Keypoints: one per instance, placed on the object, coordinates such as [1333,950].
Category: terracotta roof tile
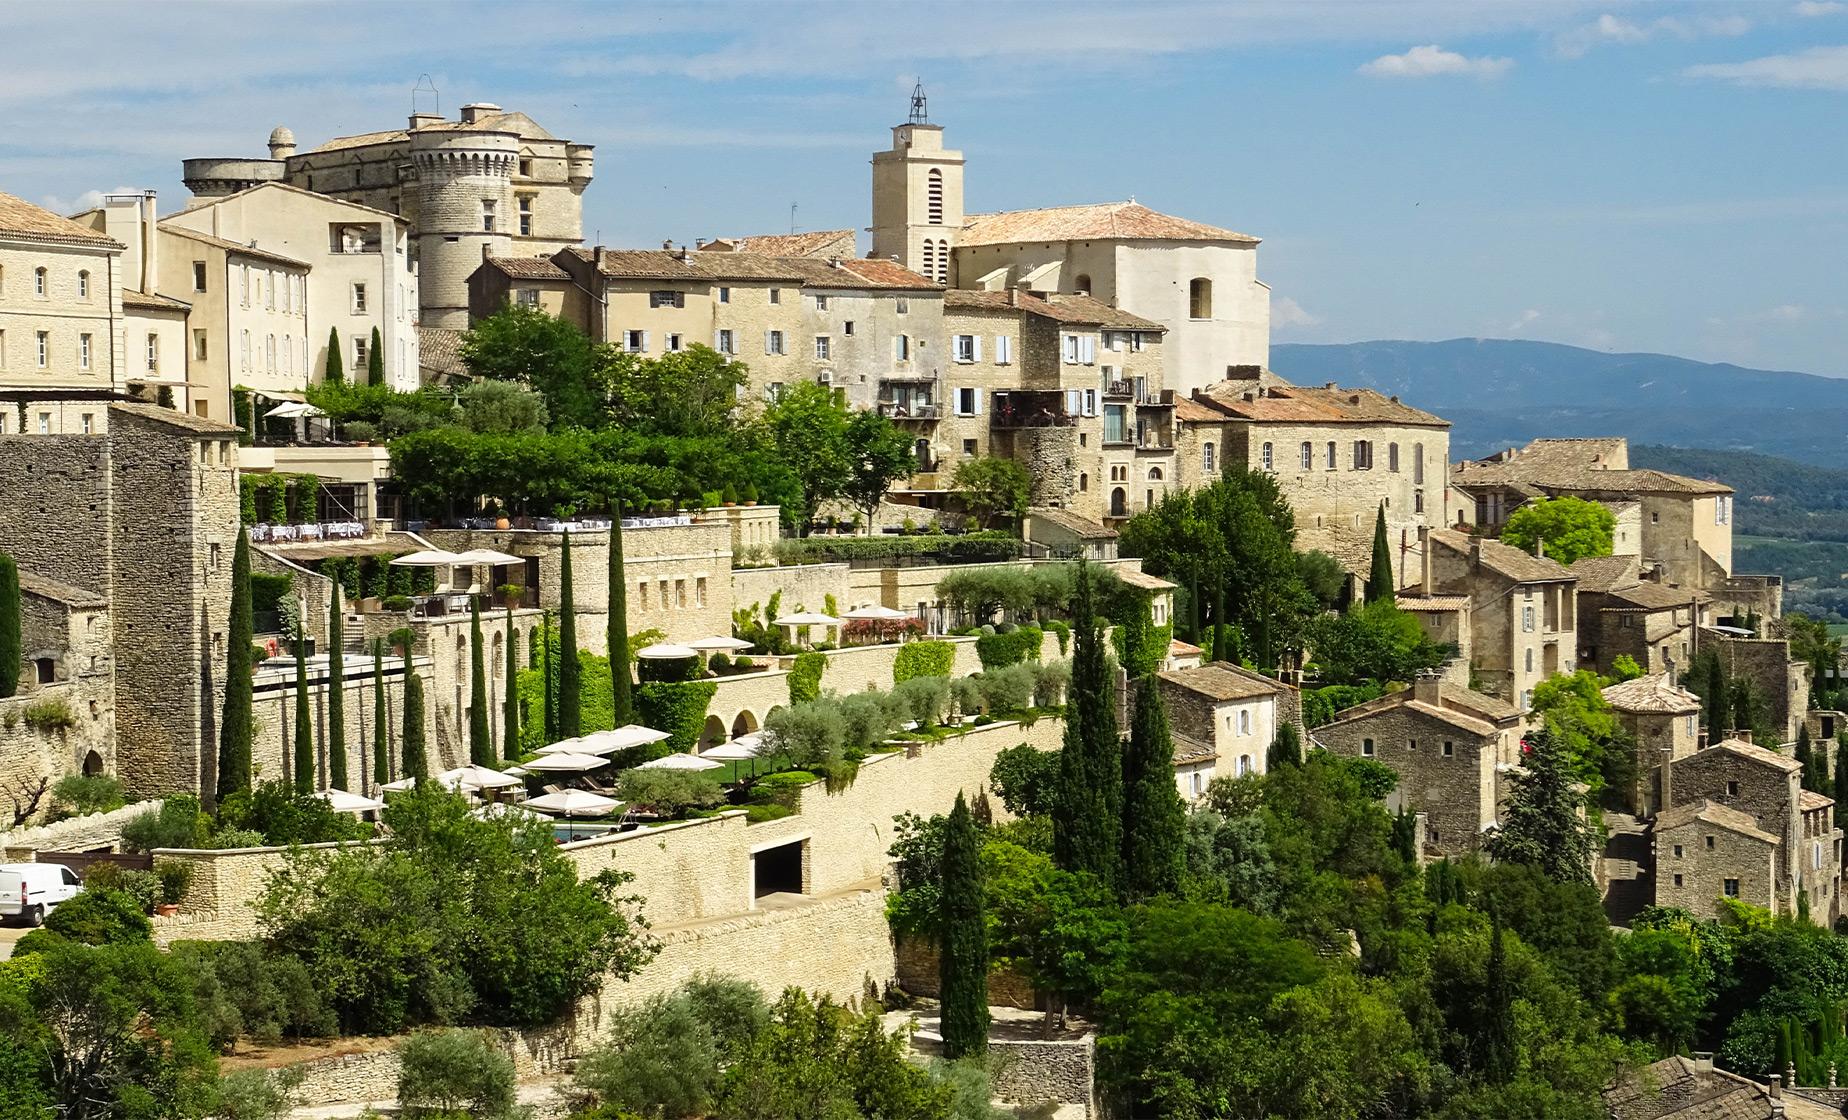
[1712,813]
[1143,580]
[21,219]
[1218,680]
[1407,600]
[1192,411]
[528,268]
[1808,801]
[1460,707]
[671,264]
[1504,560]
[439,350]
[1081,527]
[822,242]
[872,272]
[1297,404]
[1079,310]
[1103,221]
[1646,595]
[145,302]
[1188,752]
[58,591]
[173,418]
[1652,693]
[1606,573]
[1751,751]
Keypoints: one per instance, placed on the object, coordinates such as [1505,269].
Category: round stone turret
[281,142]
[216,176]
[465,211]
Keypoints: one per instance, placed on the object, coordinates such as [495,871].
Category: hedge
[678,708]
[1063,631]
[805,677]
[998,651]
[923,659]
[968,548]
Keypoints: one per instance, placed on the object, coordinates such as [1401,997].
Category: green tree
[548,355]
[375,360]
[234,724]
[412,756]
[1375,641]
[336,690]
[1323,577]
[1026,780]
[1154,821]
[548,679]
[510,707]
[1544,824]
[1382,587]
[963,962]
[454,1072]
[381,727]
[9,626]
[335,372]
[1567,529]
[807,426]
[690,392]
[1088,829]
[501,408]
[1714,699]
[1601,753]
[1286,747]
[304,720]
[570,672]
[620,683]
[878,454]
[992,487]
[1498,1040]
[480,727]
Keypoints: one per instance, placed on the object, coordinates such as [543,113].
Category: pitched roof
[1576,465]
[1651,693]
[872,272]
[1712,813]
[1188,752]
[673,264]
[1081,310]
[1678,1089]
[1460,707]
[527,268]
[58,591]
[1143,580]
[1192,411]
[146,302]
[1085,309]
[198,425]
[1504,560]
[1750,751]
[1647,595]
[1296,404]
[22,220]
[1081,527]
[1808,801]
[1408,601]
[1219,680]
[1606,573]
[783,244]
[1102,221]
[276,185]
[439,349]
[231,246]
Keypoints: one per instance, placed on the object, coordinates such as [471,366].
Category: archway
[713,734]
[743,725]
[92,764]
[1119,503]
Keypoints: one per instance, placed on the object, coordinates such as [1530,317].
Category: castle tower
[464,212]
[918,196]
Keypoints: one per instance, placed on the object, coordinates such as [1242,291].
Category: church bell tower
[918,196]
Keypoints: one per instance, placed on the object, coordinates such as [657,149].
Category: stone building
[1622,614]
[1223,718]
[1450,748]
[1691,1088]
[1705,851]
[821,244]
[1338,455]
[492,182]
[61,346]
[1780,686]
[1664,723]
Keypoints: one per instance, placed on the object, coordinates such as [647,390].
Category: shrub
[98,916]
[258,1094]
[670,670]
[397,603]
[866,719]
[269,591]
[719,663]
[238,838]
[53,714]
[283,815]
[666,1058]
[175,877]
[966,694]
[1008,690]
[805,677]
[1063,631]
[452,1072]
[142,886]
[678,708]
[997,651]
[244,990]
[782,788]
[968,548]
[923,699]
[82,794]
[1025,779]
[1049,687]
[175,823]
[811,735]
[923,659]
[672,793]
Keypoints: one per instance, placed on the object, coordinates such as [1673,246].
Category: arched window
[288,354]
[935,190]
[1084,482]
[1155,474]
[1199,298]
[943,262]
[498,658]
[1082,285]
[1418,463]
[269,353]
[1392,457]
[1244,765]
[1206,457]
[83,284]
[1308,455]
[1268,462]
[1119,503]
[930,258]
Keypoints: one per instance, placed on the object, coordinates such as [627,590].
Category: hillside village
[361,475]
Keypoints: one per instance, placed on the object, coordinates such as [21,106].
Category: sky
[1661,176]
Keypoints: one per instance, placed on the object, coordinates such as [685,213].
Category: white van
[29,891]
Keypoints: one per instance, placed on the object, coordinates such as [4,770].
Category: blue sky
[1629,176]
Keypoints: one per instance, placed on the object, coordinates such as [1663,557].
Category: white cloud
[1434,61]
[1812,9]
[88,200]
[1610,30]
[1286,312]
[1816,68]
[1524,320]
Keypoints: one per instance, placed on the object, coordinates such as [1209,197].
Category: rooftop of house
[1682,1088]
[1221,681]
[497,121]
[1713,813]
[231,246]
[31,583]
[1606,573]
[1502,559]
[1239,398]
[290,188]
[1143,581]
[1809,801]
[782,244]
[528,268]
[1190,751]
[21,220]
[1101,221]
[1081,527]
[1653,693]
[1466,709]
[1647,595]
[1076,309]
[1597,465]
[439,349]
[1409,599]
[809,272]
[1751,752]
[143,301]
[186,421]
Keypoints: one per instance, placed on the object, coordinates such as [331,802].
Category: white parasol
[679,762]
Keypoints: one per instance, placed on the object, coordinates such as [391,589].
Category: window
[2,359]
[1418,464]
[1331,454]
[244,294]
[1677,851]
[1731,887]
[902,305]
[359,299]
[1206,457]
[722,342]
[1418,501]
[1363,455]
[930,259]
[360,344]
[1732,789]
[83,351]
[526,167]
[38,282]
[1710,843]
[1004,349]
[288,354]
[526,297]
[699,591]
[969,447]
[776,295]
[964,348]
[83,284]
[86,423]
[1530,660]
[1411,744]
[1366,748]
[673,344]
[1082,285]
[1070,349]
[635,342]
[901,348]
[680,593]
[667,299]
[1392,457]
[1196,782]
[773,342]
[1677,880]
[526,209]
[44,423]
[724,295]
[1199,298]
[1450,749]
[824,347]
[1267,456]
[1722,509]
[1527,621]
[488,206]
[1244,721]
[1084,483]
[1244,765]
[847,328]
[821,302]
[968,401]
[943,262]
[199,345]
[934,196]
[269,293]
[269,353]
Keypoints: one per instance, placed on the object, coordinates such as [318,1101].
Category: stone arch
[1119,502]
[497,658]
[92,764]
[743,724]
[713,734]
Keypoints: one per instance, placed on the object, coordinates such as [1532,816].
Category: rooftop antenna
[425,86]
[792,217]
[920,109]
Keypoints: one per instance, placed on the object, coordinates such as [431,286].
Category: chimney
[1428,690]
[475,112]
[486,252]
[699,243]
[1329,385]
[1013,297]
[667,246]
[1700,739]
[1703,1061]
[1394,398]
[1668,776]
[422,120]
[596,259]
[1475,552]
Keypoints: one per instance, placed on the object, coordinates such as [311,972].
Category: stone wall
[77,834]
[63,482]
[1456,790]
[800,584]
[1765,662]
[1691,876]
[29,753]
[1034,1072]
[273,709]
[917,959]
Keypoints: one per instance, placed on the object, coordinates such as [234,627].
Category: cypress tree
[234,723]
[962,965]
[1088,830]
[1286,749]
[1154,821]
[375,360]
[336,368]
[1498,1031]
[622,699]
[1741,690]
[551,687]
[570,670]
[1380,584]
[480,729]
[411,743]
[1803,749]
[1841,779]
[336,693]
[304,722]
[1715,700]
[10,643]
[381,728]
[510,707]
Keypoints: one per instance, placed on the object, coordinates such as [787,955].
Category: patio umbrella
[719,645]
[575,803]
[609,742]
[489,557]
[679,762]
[665,652]
[428,558]
[566,762]
[807,618]
[735,751]
[876,611]
[497,809]
[343,802]
[480,777]
[448,781]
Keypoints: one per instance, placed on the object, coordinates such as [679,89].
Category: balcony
[910,410]
[1031,409]
[1125,389]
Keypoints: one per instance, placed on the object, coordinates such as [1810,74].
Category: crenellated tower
[465,211]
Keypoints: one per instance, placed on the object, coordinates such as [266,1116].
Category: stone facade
[1782,685]
[1523,610]
[1664,723]
[1224,719]
[1705,851]
[61,347]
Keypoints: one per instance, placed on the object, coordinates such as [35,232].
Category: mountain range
[1503,392]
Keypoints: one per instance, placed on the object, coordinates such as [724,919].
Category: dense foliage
[1566,529]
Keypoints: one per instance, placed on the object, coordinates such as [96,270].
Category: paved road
[9,933]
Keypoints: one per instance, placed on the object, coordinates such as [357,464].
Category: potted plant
[510,594]
[397,602]
[361,432]
[749,493]
[729,496]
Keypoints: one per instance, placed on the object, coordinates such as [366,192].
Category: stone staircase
[1622,871]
